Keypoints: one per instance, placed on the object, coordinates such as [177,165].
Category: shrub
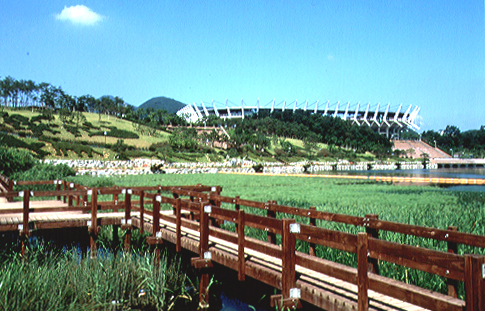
[258,168]
[11,141]
[64,147]
[15,160]
[44,172]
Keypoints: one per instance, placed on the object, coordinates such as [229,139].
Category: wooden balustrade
[369,250]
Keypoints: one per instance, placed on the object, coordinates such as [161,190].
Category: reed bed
[70,281]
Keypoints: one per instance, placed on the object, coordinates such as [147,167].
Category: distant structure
[385,120]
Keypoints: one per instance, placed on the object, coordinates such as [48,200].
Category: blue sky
[425,53]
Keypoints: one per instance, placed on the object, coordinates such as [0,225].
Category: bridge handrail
[444,264]
[447,235]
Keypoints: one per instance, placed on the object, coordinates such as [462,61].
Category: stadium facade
[385,119]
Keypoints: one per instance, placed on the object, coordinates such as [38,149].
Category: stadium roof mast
[374,119]
[395,120]
[228,110]
[385,115]
[272,106]
[326,108]
[294,107]
[215,109]
[284,105]
[242,108]
[354,119]
[413,116]
[366,113]
[205,109]
[405,116]
[257,109]
[316,107]
[336,110]
[306,105]
[346,111]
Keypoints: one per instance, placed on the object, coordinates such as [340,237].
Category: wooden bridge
[190,218]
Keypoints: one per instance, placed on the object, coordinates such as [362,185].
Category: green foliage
[69,281]
[62,148]
[14,160]
[184,138]
[43,172]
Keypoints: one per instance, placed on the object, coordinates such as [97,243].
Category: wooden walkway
[190,218]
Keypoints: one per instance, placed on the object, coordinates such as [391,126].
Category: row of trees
[451,140]
[27,93]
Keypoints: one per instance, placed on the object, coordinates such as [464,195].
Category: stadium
[385,119]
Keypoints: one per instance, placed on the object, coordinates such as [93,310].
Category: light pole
[451,152]
[435,144]
[105,133]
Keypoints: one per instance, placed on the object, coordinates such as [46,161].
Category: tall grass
[69,281]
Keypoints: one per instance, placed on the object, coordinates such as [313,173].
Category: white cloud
[79,14]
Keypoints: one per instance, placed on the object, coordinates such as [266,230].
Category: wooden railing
[469,269]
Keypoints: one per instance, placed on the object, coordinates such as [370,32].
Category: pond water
[470,173]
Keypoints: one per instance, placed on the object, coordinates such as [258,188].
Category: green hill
[164,103]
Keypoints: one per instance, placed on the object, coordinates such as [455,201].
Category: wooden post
[10,189]
[288,259]
[452,284]
[313,222]
[94,222]
[241,271]
[362,270]
[85,198]
[58,188]
[69,202]
[127,220]
[178,225]
[175,196]
[373,265]
[142,211]
[203,247]
[78,197]
[204,230]
[64,183]
[474,282]
[271,237]
[25,221]
[237,207]
[115,202]
[156,227]
[116,238]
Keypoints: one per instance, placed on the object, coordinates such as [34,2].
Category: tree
[6,88]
